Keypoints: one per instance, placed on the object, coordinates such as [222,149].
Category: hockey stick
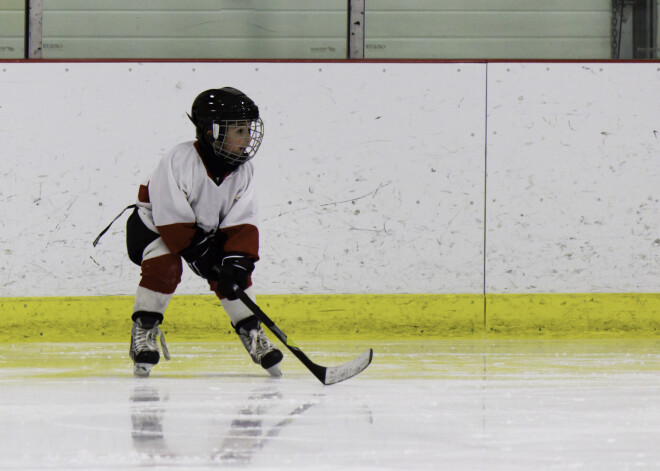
[327,375]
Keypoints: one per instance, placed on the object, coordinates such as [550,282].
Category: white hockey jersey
[182,195]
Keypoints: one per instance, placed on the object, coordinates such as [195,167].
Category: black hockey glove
[204,253]
[234,270]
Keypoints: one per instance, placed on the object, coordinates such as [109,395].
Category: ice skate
[262,351]
[144,345]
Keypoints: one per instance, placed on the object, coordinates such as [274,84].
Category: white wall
[371,176]
[573,178]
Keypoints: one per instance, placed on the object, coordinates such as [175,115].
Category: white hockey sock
[236,310]
[151,301]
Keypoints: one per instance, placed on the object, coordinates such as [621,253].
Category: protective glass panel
[12,29]
[214,29]
[510,29]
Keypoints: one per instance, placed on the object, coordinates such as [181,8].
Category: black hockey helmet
[219,112]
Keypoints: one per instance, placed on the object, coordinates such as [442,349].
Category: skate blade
[142,370]
[274,371]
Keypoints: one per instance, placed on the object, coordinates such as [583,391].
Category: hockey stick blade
[335,374]
[327,375]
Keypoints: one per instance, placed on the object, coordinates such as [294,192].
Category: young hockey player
[199,205]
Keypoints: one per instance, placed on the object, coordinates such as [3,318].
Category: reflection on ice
[261,417]
[147,420]
[495,405]
[251,431]
[220,425]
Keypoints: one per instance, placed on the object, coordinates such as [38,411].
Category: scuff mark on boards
[352,200]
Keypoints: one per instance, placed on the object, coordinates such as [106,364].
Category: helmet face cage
[228,121]
[228,143]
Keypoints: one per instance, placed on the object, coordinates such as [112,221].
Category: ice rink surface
[421,405]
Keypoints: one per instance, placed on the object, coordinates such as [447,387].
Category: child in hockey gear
[199,205]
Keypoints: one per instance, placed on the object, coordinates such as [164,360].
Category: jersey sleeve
[172,214]
[241,224]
